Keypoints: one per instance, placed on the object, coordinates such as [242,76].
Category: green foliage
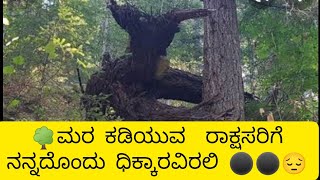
[281,49]
[13,104]
[19,60]
[50,48]
[98,104]
[43,47]
[43,135]
[8,70]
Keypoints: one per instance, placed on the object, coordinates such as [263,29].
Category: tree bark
[222,66]
[43,147]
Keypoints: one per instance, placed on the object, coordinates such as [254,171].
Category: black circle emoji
[241,163]
[267,163]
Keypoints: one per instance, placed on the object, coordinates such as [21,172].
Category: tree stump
[131,80]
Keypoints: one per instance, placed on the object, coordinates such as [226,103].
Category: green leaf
[66,45]
[6,21]
[8,70]
[19,60]
[13,104]
[50,48]
[81,63]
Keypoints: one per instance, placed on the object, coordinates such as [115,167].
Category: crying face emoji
[293,163]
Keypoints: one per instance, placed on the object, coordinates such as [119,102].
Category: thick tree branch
[181,15]
[138,101]
[133,104]
[180,85]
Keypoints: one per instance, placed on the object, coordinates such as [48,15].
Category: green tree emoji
[43,136]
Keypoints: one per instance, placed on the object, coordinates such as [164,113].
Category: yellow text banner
[159,150]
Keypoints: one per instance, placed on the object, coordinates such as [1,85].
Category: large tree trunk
[222,59]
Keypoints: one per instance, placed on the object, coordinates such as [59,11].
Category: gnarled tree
[132,82]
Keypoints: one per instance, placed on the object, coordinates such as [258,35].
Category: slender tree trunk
[222,65]
[43,147]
